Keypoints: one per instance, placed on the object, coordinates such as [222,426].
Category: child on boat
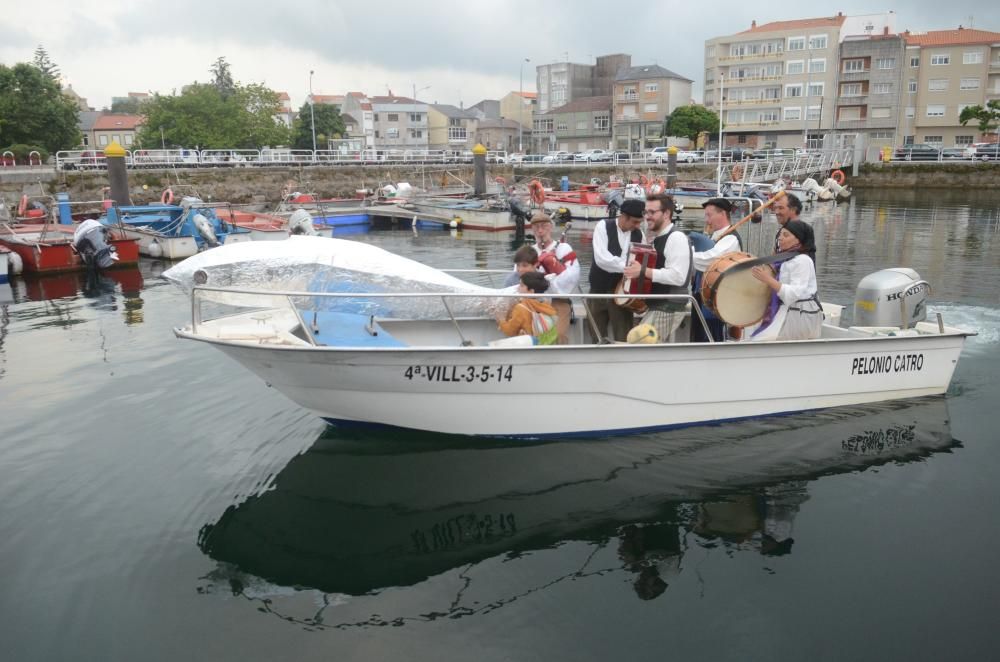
[525,260]
[531,317]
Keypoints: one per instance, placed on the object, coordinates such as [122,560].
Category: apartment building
[870,89]
[773,82]
[450,128]
[400,122]
[642,99]
[945,71]
[359,118]
[574,127]
[562,82]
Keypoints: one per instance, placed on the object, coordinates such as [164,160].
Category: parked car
[661,154]
[775,153]
[530,158]
[917,152]
[592,155]
[713,155]
[988,152]
[621,156]
[954,154]
[516,157]
[688,156]
[557,157]
[741,153]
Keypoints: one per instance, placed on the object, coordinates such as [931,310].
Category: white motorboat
[408,346]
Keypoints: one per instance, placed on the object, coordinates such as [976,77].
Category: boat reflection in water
[357,514]
[101,287]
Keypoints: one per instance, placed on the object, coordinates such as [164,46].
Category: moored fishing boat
[46,248]
[360,323]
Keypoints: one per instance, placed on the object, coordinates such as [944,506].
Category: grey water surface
[159,502]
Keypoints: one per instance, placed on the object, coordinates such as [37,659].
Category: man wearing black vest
[674,267]
[611,242]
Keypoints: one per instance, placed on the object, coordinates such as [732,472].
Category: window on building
[416,117]
[911,112]
[581,125]
[86,140]
[939,59]
[562,127]
[813,112]
[817,66]
[652,87]
[796,43]
[915,61]
[792,113]
[849,114]
[103,140]
[817,41]
[936,141]
[937,84]
[881,112]
[911,86]
[769,116]
[457,133]
[885,63]
[741,139]
[882,88]
[853,66]
[880,135]
[795,67]
[709,51]
[649,108]
[908,140]
[972,57]
[602,122]
[935,110]
[816,89]
[793,91]
[416,133]
[128,138]
[969,84]
[962,141]
[850,90]
[376,134]
[368,116]
[392,117]
[630,93]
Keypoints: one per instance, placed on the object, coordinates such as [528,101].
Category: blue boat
[175,232]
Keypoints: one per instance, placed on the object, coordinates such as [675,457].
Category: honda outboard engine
[205,229]
[91,242]
[891,297]
[301,222]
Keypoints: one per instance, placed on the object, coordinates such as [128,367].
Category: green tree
[44,64]
[690,122]
[988,118]
[201,117]
[222,78]
[34,111]
[329,124]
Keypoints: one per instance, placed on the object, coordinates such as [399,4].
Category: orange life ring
[168,196]
[501,181]
[643,181]
[22,207]
[737,173]
[537,191]
[838,176]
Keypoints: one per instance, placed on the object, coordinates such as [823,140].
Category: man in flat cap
[717,222]
[611,242]
[671,273]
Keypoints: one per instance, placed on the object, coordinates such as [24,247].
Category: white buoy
[154,249]
[15,265]
[454,224]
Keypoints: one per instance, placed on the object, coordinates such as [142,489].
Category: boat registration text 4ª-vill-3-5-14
[467,374]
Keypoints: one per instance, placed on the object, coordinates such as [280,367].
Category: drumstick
[771,201]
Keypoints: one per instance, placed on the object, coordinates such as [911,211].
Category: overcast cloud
[464,51]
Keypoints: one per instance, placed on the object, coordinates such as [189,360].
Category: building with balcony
[562,82]
[773,83]
[450,128]
[943,72]
[869,88]
[400,122]
[574,127]
[641,100]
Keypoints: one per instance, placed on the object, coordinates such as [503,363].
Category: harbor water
[159,502]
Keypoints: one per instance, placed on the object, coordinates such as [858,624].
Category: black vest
[602,282]
[662,288]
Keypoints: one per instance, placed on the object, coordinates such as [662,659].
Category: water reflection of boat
[354,515]
[89,283]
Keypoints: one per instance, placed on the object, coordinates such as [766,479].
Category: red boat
[48,248]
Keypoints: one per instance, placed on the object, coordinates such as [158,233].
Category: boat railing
[288,298]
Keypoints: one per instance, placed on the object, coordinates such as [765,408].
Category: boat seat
[349,330]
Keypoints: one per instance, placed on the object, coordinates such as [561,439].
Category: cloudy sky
[450,52]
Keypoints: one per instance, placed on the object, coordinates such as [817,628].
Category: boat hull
[467,217]
[156,244]
[52,251]
[597,390]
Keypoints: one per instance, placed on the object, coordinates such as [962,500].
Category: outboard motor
[91,242]
[520,213]
[205,229]
[891,297]
[301,222]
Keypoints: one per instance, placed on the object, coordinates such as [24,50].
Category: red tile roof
[952,37]
[528,95]
[329,98]
[800,24]
[117,122]
[283,96]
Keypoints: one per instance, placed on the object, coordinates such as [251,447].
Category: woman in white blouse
[795,312]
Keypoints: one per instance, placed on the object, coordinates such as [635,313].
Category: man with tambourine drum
[717,242]
[669,273]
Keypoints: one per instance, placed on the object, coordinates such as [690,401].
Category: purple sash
[772,306]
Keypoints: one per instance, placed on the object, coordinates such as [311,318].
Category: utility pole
[312,112]
[520,110]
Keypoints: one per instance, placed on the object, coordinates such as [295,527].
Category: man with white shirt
[557,260]
[717,222]
[673,269]
[611,242]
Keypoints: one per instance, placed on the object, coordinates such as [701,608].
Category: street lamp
[416,91]
[520,111]
[312,112]
[805,110]
[163,142]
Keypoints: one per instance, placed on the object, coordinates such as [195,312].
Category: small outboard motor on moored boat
[205,229]
[301,222]
[891,297]
[91,242]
